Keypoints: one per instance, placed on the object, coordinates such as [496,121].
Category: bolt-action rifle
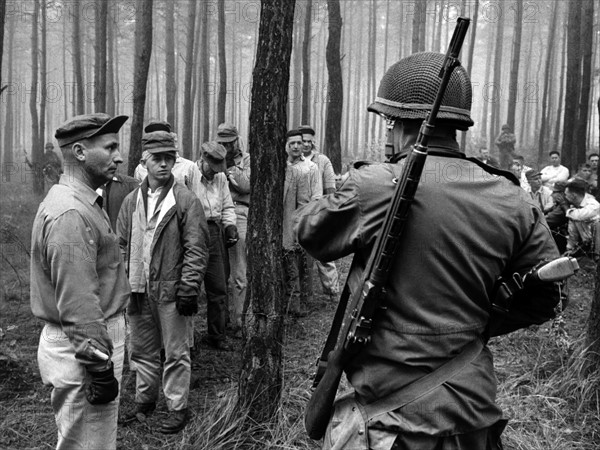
[365,294]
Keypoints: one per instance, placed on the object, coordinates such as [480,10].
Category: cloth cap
[227,132]
[306,129]
[87,126]
[157,125]
[214,154]
[294,132]
[532,173]
[577,184]
[409,87]
[559,186]
[158,142]
[145,155]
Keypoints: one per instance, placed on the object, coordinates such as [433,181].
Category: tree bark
[2,21]
[306,64]
[261,378]
[77,65]
[560,103]
[222,100]
[543,138]
[469,66]
[110,65]
[43,76]
[573,84]
[141,66]
[188,100]
[170,80]
[9,132]
[372,70]
[587,43]
[205,65]
[100,56]
[513,84]
[37,151]
[495,119]
[333,124]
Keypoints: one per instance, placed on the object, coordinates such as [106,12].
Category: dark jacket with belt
[465,228]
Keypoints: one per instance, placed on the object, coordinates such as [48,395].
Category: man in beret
[327,271]
[164,238]
[302,184]
[238,176]
[220,214]
[541,195]
[79,287]
[583,214]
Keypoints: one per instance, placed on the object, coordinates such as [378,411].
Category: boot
[176,422]
[141,412]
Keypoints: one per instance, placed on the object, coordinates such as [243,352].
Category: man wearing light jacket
[164,238]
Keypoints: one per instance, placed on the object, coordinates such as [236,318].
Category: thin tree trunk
[372,70]
[494,122]
[100,56]
[36,141]
[110,65]
[141,66]
[261,378]
[205,66]
[416,27]
[222,99]
[573,84]
[358,144]
[587,43]
[333,124]
[2,21]
[513,84]
[348,144]
[486,93]
[77,63]
[7,156]
[542,139]
[170,80]
[469,66]
[64,69]
[563,71]
[306,64]
[188,100]
[43,75]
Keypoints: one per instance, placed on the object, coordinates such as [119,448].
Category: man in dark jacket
[164,238]
[437,299]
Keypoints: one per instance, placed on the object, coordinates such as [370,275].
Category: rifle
[365,293]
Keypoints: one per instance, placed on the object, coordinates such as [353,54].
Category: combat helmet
[408,89]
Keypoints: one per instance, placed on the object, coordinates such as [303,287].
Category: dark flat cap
[158,142]
[227,132]
[577,184]
[87,126]
[306,129]
[294,132]
[214,154]
[157,125]
[559,186]
[532,173]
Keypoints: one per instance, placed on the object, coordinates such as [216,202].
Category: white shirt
[552,174]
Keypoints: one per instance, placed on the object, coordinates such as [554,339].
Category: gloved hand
[231,235]
[102,387]
[186,306]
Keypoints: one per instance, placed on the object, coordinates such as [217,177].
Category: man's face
[572,197]
[102,157]
[307,143]
[159,167]
[594,162]
[517,166]
[485,153]
[207,171]
[586,173]
[294,147]
[535,183]
[555,160]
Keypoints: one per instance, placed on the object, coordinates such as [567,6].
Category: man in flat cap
[220,214]
[302,184]
[79,287]
[583,214]
[164,238]
[541,195]
[327,271]
[238,176]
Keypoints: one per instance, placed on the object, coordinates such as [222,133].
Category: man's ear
[78,151]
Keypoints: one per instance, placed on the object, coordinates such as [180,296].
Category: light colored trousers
[80,424]
[238,266]
[580,233]
[328,275]
[159,324]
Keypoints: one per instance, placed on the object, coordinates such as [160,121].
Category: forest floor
[550,403]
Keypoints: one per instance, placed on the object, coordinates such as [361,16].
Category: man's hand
[186,306]
[102,387]
[231,235]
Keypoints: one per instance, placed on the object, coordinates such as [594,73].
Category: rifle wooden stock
[365,293]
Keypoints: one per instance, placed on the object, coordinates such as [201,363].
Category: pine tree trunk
[573,85]
[306,64]
[141,66]
[261,378]
[513,84]
[333,124]
[222,99]
[486,96]
[188,100]
[205,66]
[170,80]
[495,119]
[110,65]
[9,132]
[587,43]
[543,138]
[43,76]
[2,22]
[563,71]
[77,64]
[100,56]
[37,151]
[372,70]
[64,69]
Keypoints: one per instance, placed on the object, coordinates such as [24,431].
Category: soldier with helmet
[438,297]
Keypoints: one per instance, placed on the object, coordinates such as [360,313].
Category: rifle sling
[424,385]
